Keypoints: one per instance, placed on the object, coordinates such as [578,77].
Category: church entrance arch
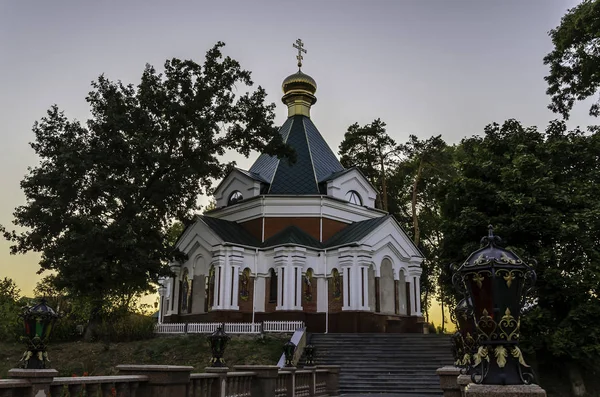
[387,291]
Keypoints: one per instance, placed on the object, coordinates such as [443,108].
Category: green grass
[101,359]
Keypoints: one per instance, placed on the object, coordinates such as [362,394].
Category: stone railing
[177,381]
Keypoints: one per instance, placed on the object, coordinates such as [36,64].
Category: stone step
[391,365]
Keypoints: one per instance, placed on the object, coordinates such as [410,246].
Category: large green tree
[371,149]
[575,60]
[416,183]
[540,190]
[100,203]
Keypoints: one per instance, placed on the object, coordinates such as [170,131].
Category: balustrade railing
[202,384]
[304,383]
[176,381]
[282,326]
[321,382]
[230,328]
[281,384]
[175,328]
[239,384]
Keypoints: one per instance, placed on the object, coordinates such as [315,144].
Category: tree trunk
[417,235]
[383,183]
[443,313]
[94,324]
[577,383]
[426,306]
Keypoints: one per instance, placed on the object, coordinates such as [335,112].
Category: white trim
[296,206]
[310,154]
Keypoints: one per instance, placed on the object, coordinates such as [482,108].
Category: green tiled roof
[355,232]
[292,235]
[315,161]
[230,232]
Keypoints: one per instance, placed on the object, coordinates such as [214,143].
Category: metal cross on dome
[300,47]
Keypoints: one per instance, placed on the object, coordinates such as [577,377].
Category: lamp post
[218,341]
[309,354]
[38,321]
[288,350]
[496,282]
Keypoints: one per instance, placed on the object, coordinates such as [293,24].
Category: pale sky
[424,67]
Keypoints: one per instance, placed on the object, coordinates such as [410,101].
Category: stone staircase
[401,365]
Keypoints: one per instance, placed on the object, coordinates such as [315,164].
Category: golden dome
[299,82]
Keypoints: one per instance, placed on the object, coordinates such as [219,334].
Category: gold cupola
[299,88]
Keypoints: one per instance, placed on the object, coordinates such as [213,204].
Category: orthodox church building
[299,241]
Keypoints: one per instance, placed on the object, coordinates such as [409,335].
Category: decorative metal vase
[288,350]
[309,354]
[496,282]
[38,321]
[218,341]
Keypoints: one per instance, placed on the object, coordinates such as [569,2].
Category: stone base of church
[341,322]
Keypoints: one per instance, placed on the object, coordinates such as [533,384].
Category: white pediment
[236,181]
[353,180]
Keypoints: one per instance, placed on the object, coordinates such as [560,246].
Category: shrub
[431,327]
[126,328]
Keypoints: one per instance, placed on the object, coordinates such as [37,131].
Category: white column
[218,300]
[356,288]
[280,290]
[411,294]
[365,287]
[235,271]
[322,294]
[418,297]
[298,271]
[346,293]
[259,302]
[290,288]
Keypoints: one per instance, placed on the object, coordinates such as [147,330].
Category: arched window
[245,284]
[186,293]
[353,197]
[235,197]
[273,286]
[308,286]
[337,284]
[209,294]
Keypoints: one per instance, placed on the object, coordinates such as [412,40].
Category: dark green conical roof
[315,161]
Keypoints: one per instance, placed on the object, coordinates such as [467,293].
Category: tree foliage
[539,190]
[10,308]
[371,149]
[575,60]
[417,184]
[101,201]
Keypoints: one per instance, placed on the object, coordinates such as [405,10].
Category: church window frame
[272,286]
[245,279]
[235,197]
[185,301]
[354,197]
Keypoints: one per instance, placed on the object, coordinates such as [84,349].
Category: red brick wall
[331,227]
[310,225]
[254,227]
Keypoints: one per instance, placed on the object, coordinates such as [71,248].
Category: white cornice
[296,206]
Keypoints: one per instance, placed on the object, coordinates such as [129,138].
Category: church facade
[299,241]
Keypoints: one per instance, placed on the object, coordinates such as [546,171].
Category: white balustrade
[282,326]
[230,328]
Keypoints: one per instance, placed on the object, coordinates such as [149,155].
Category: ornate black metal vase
[496,282]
